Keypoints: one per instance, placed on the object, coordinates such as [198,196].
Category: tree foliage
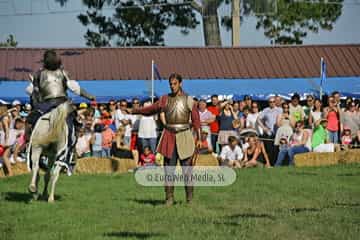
[10,42]
[134,23]
[293,20]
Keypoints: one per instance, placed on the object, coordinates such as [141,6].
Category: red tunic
[167,142]
[214,126]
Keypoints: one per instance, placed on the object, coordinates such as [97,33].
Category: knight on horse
[51,122]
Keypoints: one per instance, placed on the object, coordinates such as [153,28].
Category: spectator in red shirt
[107,135]
[147,158]
[331,113]
[214,126]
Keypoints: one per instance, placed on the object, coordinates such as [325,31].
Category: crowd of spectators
[240,134]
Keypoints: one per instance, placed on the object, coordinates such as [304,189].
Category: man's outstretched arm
[75,88]
[151,109]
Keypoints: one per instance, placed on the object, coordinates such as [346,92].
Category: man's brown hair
[175,76]
[51,60]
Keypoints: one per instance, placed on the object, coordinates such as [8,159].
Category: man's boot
[169,195]
[189,190]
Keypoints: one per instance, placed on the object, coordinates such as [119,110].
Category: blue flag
[157,73]
[323,72]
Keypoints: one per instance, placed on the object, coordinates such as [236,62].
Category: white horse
[50,137]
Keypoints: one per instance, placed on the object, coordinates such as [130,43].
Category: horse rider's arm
[29,89]
[75,88]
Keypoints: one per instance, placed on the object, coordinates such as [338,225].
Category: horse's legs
[35,158]
[36,194]
[54,177]
[45,194]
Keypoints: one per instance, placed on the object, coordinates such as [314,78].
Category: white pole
[152,81]
[321,75]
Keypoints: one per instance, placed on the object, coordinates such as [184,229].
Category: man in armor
[48,89]
[179,115]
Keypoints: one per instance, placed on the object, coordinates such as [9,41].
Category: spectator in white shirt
[206,117]
[10,144]
[123,118]
[147,131]
[83,144]
[231,154]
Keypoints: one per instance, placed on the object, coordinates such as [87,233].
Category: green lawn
[285,203]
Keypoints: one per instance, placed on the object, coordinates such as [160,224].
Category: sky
[32,25]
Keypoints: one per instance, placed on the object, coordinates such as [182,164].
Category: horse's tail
[57,120]
[60,122]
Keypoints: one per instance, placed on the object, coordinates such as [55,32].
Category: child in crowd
[231,154]
[107,139]
[96,141]
[346,139]
[83,144]
[147,158]
[20,148]
[205,145]
[13,144]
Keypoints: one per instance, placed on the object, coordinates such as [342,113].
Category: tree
[208,9]
[134,23]
[137,24]
[10,42]
[61,2]
[294,20]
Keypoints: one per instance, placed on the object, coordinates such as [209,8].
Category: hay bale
[17,169]
[104,165]
[206,160]
[94,165]
[351,156]
[202,160]
[316,159]
[122,165]
[323,159]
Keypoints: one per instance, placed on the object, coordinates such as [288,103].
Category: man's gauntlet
[87,95]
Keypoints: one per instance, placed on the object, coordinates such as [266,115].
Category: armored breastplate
[52,85]
[177,110]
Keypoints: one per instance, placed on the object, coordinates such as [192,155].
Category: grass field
[285,203]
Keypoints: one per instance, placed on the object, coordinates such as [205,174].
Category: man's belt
[176,128]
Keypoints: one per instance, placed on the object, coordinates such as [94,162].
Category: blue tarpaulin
[259,89]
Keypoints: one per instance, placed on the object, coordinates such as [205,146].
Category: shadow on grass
[155,202]
[299,210]
[340,204]
[23,197]
[349,174]
[152,202]
[16,197]
[137,235]
[251,215]
[235,219]
[303,173]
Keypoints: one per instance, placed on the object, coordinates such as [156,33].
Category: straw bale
[17,169]
[321,159]
[351,156]
[104,165]
[206,160]
[316,159]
